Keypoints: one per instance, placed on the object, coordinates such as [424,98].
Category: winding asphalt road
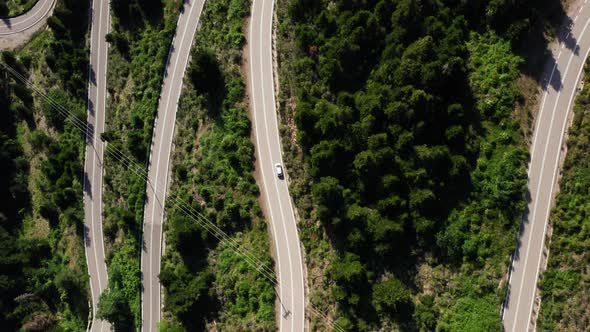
[158,172]
[276,191]
[17,30]
[93,165]
[519,312]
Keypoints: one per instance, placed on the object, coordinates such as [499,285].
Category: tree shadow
[550,21]
[506,303]
[87,185]
[552,77]
[92,76]
[170,52]
[153,10]
[7,22]
[135,14]
[89,133]
[90,14]
[525,221]
[87,238]
[516,255]
[207,78]
[90,107]
[143,242]
[565,36]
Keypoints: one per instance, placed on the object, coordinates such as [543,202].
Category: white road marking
[287,188]
[568,109]
[539,184]
[159,155]
[537,195]
[93,157]
[262,169]
[542,113]
[94,143]
[538,122]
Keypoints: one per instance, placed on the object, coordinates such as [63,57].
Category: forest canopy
[404,114]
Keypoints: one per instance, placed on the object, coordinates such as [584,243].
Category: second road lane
[562,82]
[160,162]
[93,162]
[276,191]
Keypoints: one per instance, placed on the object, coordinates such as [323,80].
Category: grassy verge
[207,285]
[140,40]
[11,8]
[44,280]
[565,304]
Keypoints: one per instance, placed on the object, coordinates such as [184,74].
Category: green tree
[391,295]
[113,307]
[328,196]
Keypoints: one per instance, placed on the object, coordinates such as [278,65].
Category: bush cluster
[43,277]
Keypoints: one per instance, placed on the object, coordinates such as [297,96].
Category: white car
[279,170]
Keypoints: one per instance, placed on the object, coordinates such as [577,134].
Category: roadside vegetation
[565,286]
[406,158]
[10,8]
[140,40]
[43,273]
[209,287]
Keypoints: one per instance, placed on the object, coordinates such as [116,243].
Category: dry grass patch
[526,110]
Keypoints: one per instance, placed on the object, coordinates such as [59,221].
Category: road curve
[158,171]
[93,170]
[16,30]
[276,191]
[560,88]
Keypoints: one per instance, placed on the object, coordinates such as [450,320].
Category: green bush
[469,314]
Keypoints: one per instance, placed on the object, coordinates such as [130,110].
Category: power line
[140,171]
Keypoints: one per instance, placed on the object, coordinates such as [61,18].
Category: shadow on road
[92,76]
[143,244]
[170,52]
[553,75]
[90,107]
[87,185]
[87,240]
[7,23]
[525,222]
[89,133]
[566,38]
[516,253]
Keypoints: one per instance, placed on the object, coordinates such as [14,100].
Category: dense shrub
[413,163]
